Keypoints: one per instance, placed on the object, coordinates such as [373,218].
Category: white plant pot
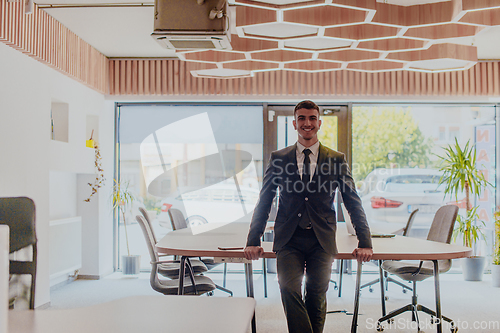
[495,275]
[473,268]
[131,265]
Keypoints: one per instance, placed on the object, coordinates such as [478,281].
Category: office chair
[440,231]
[406,232]
[195,285]
[171,270]
[179,222]
[19,214]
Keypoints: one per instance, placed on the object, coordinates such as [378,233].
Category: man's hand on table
[363,254]
[253,252]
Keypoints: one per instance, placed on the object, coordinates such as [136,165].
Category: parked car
[390,195]
[220,203]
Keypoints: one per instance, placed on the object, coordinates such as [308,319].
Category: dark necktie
[305,222]
[306,167]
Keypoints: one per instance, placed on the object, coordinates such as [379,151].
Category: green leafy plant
[152,203]
[496,249]
[468,228]
[460,175]
[122,200]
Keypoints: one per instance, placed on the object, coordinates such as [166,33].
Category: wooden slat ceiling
[382,36]
[276,71]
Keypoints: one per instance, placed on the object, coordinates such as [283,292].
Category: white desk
[184,243]
[150,314]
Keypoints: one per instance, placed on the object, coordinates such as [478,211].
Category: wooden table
[176,314]
[233,235]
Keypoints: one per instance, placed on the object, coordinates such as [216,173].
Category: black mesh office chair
[171,270]
[195,285]
[19,214]
[179,222]
[440,231]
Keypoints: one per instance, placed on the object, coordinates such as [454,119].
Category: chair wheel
[404,291]
[432,320]
[380,328]
[370,289]
[386,298]
[334,288]
[454,329]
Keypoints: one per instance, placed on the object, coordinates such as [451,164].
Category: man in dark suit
[306,176]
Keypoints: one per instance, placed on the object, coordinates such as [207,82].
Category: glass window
[395,151]
[205,160]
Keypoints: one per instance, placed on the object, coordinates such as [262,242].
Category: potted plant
[495,267]
[460,175]
[122,200]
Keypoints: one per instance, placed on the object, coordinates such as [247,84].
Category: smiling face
[307,124]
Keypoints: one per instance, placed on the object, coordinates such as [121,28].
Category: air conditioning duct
[191,24]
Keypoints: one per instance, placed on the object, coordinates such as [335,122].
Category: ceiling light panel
[280,30]
[358,35]
[318,43]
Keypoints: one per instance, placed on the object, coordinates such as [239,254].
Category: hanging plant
[99,178]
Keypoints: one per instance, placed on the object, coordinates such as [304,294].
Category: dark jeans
[304,253]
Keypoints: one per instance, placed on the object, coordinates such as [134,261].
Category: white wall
[27,89]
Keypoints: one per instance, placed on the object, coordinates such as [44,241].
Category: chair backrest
[409,224]
[146,218]
[148,237]
[19,214]
[442,226]
[177,219]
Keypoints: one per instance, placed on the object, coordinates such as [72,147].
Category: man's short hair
[307,104]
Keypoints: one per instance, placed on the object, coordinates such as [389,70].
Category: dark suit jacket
[332,172]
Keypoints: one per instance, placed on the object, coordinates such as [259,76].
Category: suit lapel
[322,155]
[292,160]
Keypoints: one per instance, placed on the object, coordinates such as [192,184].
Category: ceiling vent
[191,24]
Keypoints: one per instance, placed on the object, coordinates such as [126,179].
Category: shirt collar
[314,148]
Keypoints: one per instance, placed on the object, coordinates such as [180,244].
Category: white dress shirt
[313,157]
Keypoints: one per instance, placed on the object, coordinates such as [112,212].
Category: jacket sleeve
[263,207]
[353,204]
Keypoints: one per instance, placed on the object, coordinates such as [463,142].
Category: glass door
[334,132]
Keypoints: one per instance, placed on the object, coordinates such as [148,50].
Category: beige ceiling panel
[221,73]
[280,31]
[281,56]
[324,16]
[452,30]
[440,65]
[318,43]
[437,51]
[349,55]
[362,31]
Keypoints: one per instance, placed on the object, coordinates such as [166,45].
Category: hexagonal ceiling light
[356,35]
